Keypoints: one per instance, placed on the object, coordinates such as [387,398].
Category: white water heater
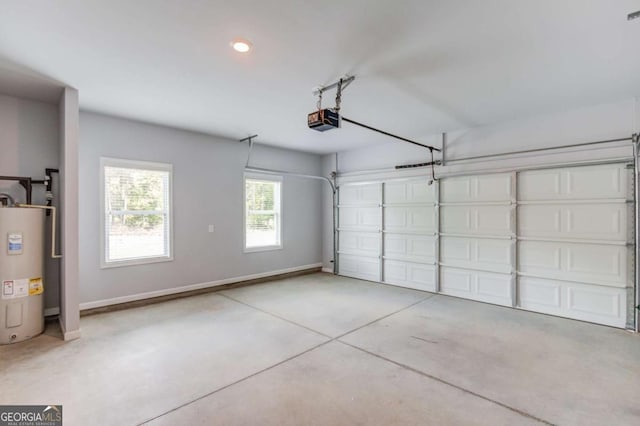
[21,273]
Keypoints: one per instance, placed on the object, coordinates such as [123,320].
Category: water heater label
[7,289]
[14,243]
[35,286]
[12,289]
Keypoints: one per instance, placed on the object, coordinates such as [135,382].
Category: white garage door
[478,237]
[359,231]
[575,229]
[410,226]
[555,241]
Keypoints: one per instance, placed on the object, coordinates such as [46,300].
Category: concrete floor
[325,350]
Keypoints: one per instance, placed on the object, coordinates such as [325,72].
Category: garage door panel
[540,185]
[599,182]
[360,218]
[362,243]
[540,257]
[605,222]
[603,305]
[485,188]
[600,221]
[360,194]
[365,268]
[485,254]
[476,220]
[575,183]
[416,248]
[589,263]
[417,191]
[594,301]
[540,294]
[477,285]
[412,275]
[409,219]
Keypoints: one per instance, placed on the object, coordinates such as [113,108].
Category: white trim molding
[69,335]
[176,290]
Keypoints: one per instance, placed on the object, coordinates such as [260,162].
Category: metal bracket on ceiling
[250,139]
[346,80]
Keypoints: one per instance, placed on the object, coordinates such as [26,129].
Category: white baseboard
[68,335]
[199,286]
[329,270]
[49,312]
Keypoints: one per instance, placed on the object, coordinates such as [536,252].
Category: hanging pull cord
[338,96]
[319,104]
[433,169]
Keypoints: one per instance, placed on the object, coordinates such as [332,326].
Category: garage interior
[451,238]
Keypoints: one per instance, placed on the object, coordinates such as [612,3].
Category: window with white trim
[262,212]
[136,213]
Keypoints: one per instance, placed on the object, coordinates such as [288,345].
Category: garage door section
[574,255]
[555,241]
[409,232]
[477,240]
[359,231]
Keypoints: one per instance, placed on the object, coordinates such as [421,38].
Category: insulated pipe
[53,225]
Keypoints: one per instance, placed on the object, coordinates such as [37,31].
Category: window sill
[135,262]
[262,248]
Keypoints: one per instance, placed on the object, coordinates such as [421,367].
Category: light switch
[211,228]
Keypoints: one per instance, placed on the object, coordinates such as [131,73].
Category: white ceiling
[422,67]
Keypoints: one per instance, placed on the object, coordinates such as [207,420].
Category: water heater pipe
[53,225]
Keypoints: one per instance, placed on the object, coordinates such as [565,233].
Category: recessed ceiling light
[241,45]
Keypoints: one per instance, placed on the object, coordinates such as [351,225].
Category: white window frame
[280,222]
[143,165]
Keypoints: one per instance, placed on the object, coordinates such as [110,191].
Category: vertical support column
[437,235]
[335,227]
[514,240]
[636,276]
[382,227]
[69,241]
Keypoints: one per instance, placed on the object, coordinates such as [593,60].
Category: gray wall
[29,142]
[207,189]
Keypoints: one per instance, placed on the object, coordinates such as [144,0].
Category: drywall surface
[600,122]
[69,241]
[29,145]
[207,190]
